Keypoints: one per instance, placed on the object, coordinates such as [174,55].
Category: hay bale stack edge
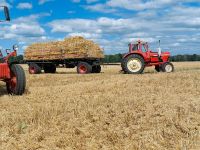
[73,47]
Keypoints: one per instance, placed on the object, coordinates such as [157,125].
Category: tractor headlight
[15,47]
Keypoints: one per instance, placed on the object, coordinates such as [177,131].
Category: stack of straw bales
[73,47]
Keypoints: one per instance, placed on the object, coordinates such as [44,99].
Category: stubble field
[110,110]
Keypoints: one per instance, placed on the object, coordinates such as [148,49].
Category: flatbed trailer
[84,65]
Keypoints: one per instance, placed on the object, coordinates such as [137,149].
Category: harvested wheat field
[111,110]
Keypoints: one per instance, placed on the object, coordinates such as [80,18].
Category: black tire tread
[37,68]
[21,80]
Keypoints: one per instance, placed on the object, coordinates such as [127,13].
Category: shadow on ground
[3,90]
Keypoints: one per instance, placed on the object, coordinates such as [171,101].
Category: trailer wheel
[50,68]
[168,67]
[133,64]
[16,85]
[96,69]
[34,69]
[84,68]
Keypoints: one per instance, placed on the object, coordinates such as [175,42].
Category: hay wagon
[70,53]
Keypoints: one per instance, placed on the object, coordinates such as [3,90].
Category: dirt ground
[110,110]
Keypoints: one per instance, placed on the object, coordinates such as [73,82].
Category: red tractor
[10,72]
[140,56]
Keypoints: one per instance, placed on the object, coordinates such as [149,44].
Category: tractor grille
[4,71]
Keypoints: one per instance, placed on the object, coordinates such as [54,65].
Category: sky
[110,23]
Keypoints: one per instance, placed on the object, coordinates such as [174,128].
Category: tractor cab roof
[139,42]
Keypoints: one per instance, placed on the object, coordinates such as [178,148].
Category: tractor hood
[165,54]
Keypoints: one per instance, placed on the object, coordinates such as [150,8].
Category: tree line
[177,58]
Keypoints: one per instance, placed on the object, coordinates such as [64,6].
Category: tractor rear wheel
[168,67]
[50,68]
[133,64]
[96,69]
[34,69]
[123,65]
[16,85]
[84,68]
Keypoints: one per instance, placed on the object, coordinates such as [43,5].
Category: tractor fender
[126,55]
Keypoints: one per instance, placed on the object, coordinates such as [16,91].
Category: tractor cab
[138,46]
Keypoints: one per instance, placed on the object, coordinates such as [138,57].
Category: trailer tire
[34,68]
[16,85]
[84,68]
[50,68]
[96,69]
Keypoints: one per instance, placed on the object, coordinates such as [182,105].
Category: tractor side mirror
[7,14]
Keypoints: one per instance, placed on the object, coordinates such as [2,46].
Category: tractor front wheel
[133,64]
[168,67]
[16,85]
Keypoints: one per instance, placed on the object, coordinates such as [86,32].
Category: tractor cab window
[135,47]
[144,48]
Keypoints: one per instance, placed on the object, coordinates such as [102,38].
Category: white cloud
[101,25]
[136,5]
[25,29]
[24,6]
[86,35]
[71,25]
[177,28]
[4,3]
[139,4]
[100,8]
[41,2]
